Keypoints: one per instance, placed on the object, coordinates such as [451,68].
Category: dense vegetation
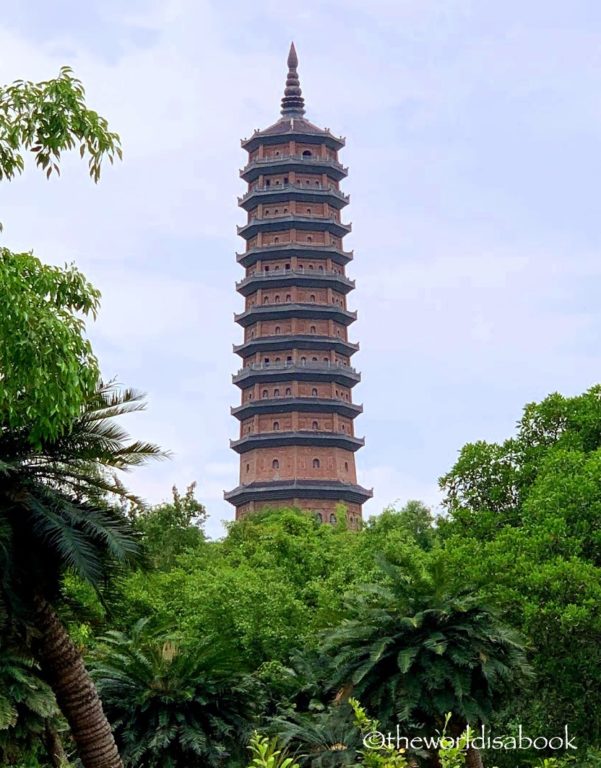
[129,639]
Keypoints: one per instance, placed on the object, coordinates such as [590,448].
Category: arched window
[306,153]
[248,467]
[276,392]
[277,299]
[346,466]
[314,359]
[332,518]
[320,268]
[288,298]
[303,360]
[314,392]
[275,464]
[309,239]
[326,359]
[276,426]
[278,360]
[287,267]
[311,267]
[315,463]
[264,394]
[308,210]
[265,299]
[276,239]
[276,211]
[315,425]
[313,329]
[319,517]
[267,210]
[276,330]
[312,298]
[250,395]
[288,392]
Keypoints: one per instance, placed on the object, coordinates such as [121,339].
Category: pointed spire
[293,104]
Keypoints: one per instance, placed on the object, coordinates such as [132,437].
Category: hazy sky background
[474,147]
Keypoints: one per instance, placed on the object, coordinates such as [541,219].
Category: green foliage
[265,753]
[414,521]
[27,706]
[48,367]
[171,708]
[413,649]
[171,528]
[54,516]
[525,529]
[49,118]
[382,755]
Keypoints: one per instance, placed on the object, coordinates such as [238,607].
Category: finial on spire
[293,104]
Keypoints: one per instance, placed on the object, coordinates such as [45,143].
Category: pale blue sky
[474,147]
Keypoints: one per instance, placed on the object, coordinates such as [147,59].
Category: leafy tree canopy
[47,366]
[48,118]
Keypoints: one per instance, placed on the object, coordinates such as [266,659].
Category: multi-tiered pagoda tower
[297,439]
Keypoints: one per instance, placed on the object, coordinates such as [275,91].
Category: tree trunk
[473,759]
[54,748]
[75,692]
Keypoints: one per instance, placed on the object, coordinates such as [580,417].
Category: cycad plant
[29,716]
[412,650]
[57,516]
[170,707]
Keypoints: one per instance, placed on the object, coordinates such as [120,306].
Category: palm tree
[170,708]
[54,518]
[411,651]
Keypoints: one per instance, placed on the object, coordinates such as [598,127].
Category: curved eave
[280,490]
[303,311]
[268,139]
[289,278]
[285,223]
[285,250]
[290,342]
[296,404]
[282,194]
[299,438]
[256,168]
[343,375]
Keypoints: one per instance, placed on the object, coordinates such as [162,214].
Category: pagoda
[297,440]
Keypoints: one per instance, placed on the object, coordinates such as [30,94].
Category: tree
[47,368]
[413,651]
[48,118]
[54,519]
[524,530]
[29,715]
[171,528]
[172,708]
[414,521]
